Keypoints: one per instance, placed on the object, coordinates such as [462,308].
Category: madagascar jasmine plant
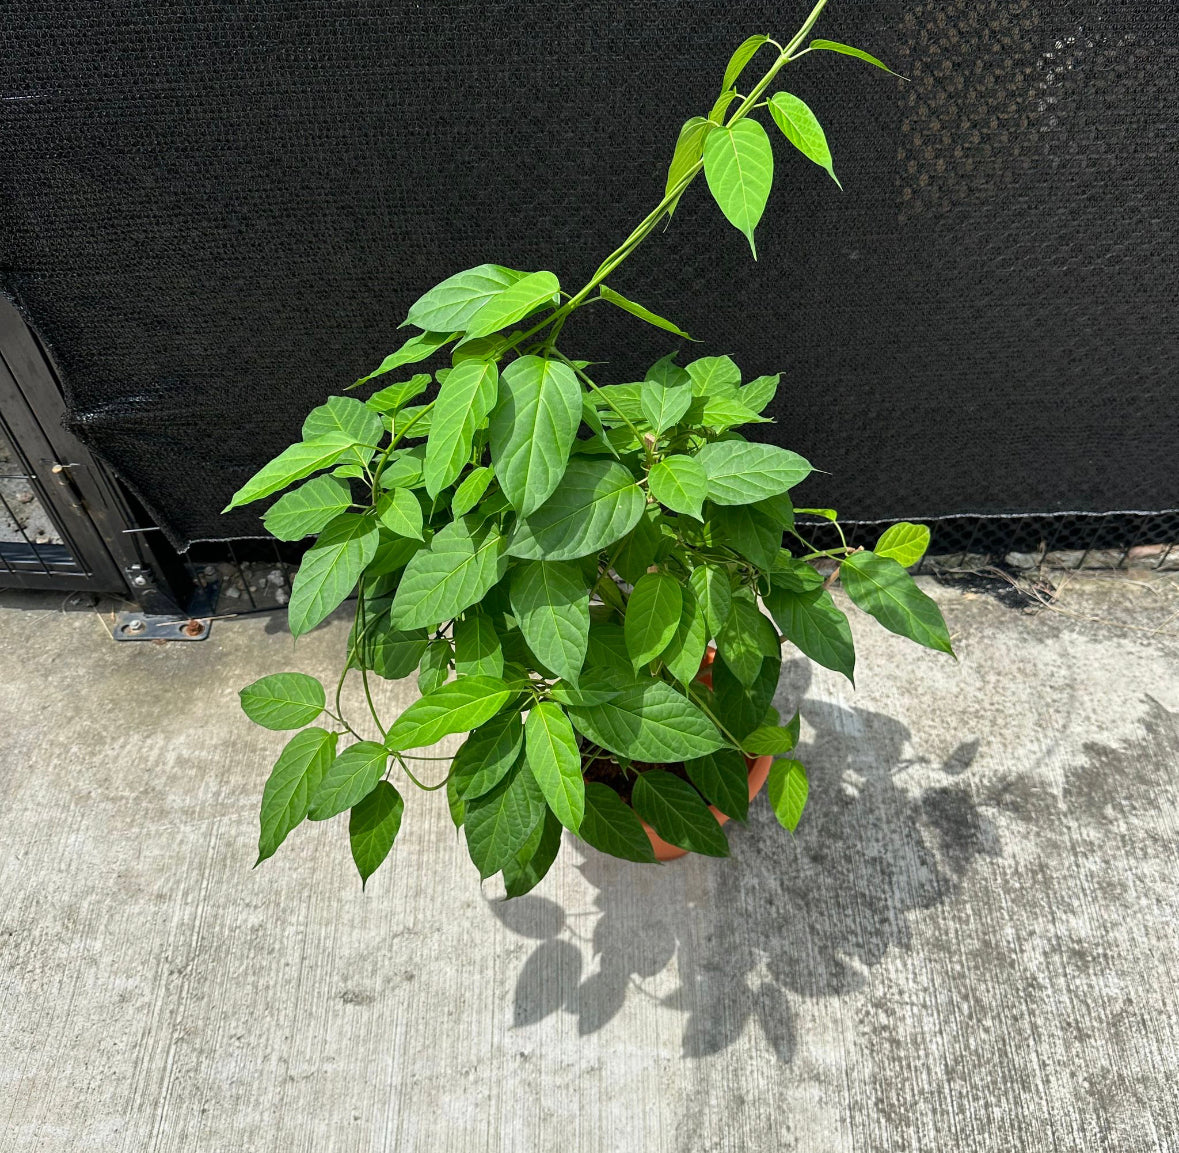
[552,556]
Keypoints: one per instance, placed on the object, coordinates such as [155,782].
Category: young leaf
[713,588]
[610,826]
[455,572]
[746,640]
[714,376]
[616,298]
[802,128]
[744,53]
[487,755]
[685,650]
[815,627]
[308,509]
[477,648]
[450,305]
[883,589]
[739,167]
[396,396]
[905,543]
[372,828]
[330,570]
[457,707]
[681,484]
[415,349]
[550,602]
[555,762]
[652,616]
[292,464]
[536,290]
[470,492]
[740,472]
[349,779]
[689,147]
[533,428]
[289,788]
[723,778]
[347,416]
[434,667]
[847,50]
[716,114]
[283,700]
[500,822]
[399,511]
[462,405]
[788,792]
[675,811]
[598,504]
[528,867]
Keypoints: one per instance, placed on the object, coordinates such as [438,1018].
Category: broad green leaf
[308,509]
[716,113]
[372,828]
[883,589]
[413,351]
[739,167]
[455,804]
[470,492]
[414,422]
[292,464]
[652,616]
[685,650]
[403,469]
[723,778]
[393,553]
[788,792]
[681,484]
[393,398]
[611,826]
[533,428]
[740,472]
[639,551]
[664,404]
[714,376]
[488,754]
[477,648]
[482,348]
[744,529]
[455,572]
[720,413]
[291,784]
[388,652]
[648,721]
[347,416]
[461,406]
[769,741]
[283,700]
[555,761]
[450,305]
[665,371]
[598,694]
[744,707]
[847,50]
[744,53]
[398,510]
[746,640]
[802,128]
[758,393]
[516,301]
[778,508]
[795,575]
[528,867]
[550,602]
[815,627]
[713,588]
[905,543]
[616,298]
[607,650]
[499,823]
[689,147]
[330,570]
[676,812]
[349,779]
[457,707]
[597,504]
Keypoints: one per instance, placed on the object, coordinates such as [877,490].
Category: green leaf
[597,505]
[308,509]
[648,721]
[488,754]
[372,828]
[607,650]
[743,528]
[550,602]
[739,167]
[477,648]
[457,707]
[713,588]
[293,781]
[455,804]
[514,302]
[689,147]
[740,472]
[292,464]
[414,422]
[500,822]
[719,413]
[685,650]
[723,778]
[883,589]
[795,575]
[555,761]
[455,572]
[283,700]
[616,298]
[533,428]
[482,347]
[778,508]
[403,469]
[565,694]
[399,511]
[639,550]
[679,483]
[744,707]
[330,570]
[802,128]
[388,652]
[788,792]
[769,741]
[746,640]
[847,50]
[652,616]
[905,543]
[347,416]
[393,398]
[758,393]
[414,350]
[470,492]
[462,405]
[393,553]
[744,53]
[611,826]
[714,376]
[666,372]
[815,627]
[450,305]
[675,811]
[528,867]
[716,113]
[349,779]
[663,404]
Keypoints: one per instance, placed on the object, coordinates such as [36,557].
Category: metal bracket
[195,626]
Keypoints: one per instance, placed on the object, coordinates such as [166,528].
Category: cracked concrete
[971,943]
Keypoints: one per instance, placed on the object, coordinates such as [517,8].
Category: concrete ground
[972,943]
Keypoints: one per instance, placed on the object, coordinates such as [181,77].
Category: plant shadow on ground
[803,916]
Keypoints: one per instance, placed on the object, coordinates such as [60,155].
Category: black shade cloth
[215,214]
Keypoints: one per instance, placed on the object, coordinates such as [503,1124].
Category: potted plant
[552,557]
